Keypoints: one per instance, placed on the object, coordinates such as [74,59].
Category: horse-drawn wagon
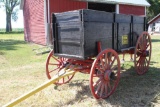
[90,41]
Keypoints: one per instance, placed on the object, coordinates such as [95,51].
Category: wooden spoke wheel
[142,53]
[105,74]
[53,67]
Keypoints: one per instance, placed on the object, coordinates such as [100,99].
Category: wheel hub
[145,53]
[107,75]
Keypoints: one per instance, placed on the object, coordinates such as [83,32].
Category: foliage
[154,9]
[11,12]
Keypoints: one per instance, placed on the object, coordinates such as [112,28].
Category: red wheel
[53,67]
[142,53]
[105,74]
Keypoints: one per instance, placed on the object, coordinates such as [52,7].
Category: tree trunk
[8,22]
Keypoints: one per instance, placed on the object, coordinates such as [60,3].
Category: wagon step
[39,88]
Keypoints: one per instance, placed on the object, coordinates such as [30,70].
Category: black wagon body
[76,33]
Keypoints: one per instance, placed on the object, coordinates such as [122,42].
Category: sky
[17,24]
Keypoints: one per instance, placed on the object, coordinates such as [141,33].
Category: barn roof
[155,18]
[130,2]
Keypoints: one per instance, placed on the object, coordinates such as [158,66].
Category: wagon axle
[144,53]
[107,75]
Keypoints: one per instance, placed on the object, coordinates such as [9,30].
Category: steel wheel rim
[53,67]
[102,84]
[141,60]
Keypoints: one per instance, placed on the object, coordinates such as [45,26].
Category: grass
[22,70]
[14,30]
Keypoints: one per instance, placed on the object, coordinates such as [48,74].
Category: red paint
[153,20]
[66,5]
[34,21]
[129,9]
[99,46]
[57,6]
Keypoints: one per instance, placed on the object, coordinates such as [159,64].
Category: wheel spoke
[97,82]
[139,60]
[102,90]
[106,89]
[102,87]
[147,46]
[110,57]
[98,75]
[109,85]
[99,87]
[112,62]
[102,63]
[56,59]
[54,69]
[99,69]
[106,61]
[54,66]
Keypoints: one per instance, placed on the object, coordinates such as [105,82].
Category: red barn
[37,13]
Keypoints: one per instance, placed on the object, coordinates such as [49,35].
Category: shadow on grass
[10,44]
[132,91]
[135,90]
[155,40]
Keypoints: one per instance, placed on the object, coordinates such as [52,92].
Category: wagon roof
[130,2]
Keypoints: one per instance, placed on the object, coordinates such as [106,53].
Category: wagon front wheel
[53,67]
[142,53]
[105,74]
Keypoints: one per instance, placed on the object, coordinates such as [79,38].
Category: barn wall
[33,12]
[66,5]
[57,6]
[157,19]
[134,10]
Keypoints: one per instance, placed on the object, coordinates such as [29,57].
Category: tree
[11,13]
[154,9]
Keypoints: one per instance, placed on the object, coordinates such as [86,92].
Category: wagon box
[76,33]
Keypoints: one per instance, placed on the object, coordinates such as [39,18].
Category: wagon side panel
[97,32]
[123,31]
[138,28]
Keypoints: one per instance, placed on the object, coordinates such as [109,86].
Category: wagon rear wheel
[142,53]
[105,74]
[53,67]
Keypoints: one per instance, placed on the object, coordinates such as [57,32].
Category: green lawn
[21,70]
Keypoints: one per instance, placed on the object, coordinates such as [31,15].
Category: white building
[154,25]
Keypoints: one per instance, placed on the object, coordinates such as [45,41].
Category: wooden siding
[134,10]
[66,5]
[156,19]
[57,6]
[34,21]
